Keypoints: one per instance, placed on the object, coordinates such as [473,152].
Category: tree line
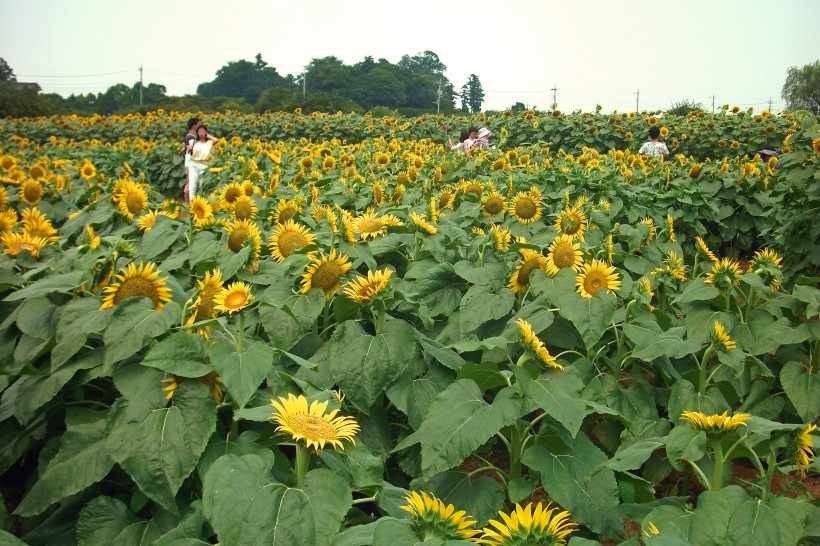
[414,85]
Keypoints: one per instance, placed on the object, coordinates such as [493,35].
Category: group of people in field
[471,139]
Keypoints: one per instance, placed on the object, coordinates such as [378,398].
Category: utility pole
[554,96]
[438,100]
[637,100]
[713,103]
[770,105]
[140,86]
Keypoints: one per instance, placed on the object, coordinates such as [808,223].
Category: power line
[75,76]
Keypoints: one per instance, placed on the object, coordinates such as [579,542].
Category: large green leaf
[157,240]
[246,508]
[357,463]
[192,529]
[63,282]
[458,422]
[754,523]
[803,389]
[35,317]
[414,396]
[685,443]
[480,497]
[81,461]
[365,366]
[437,287]
[160,446]
[330,498]
[556,392]
[181,354]
[635,455]
[288,322]
[106,521]
[242,372]
[133,325]
[652,343]
[574,481]
[482,304]
[76,320]
[696,290]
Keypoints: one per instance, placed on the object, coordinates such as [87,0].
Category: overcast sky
[596,52]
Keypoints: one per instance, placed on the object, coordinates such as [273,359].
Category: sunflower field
[354,336]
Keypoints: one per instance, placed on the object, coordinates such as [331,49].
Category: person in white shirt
[200,152]
[653,148]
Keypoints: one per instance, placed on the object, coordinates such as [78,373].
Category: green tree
[472,95]
[244,79]
[684,107]
[518,107]
[277,99]
[427,61]
[6,73]
[802,88]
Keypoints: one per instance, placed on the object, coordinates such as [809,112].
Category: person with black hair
[200,151]
[654,148]
[187,143]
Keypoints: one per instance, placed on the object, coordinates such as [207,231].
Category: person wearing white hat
[483,139]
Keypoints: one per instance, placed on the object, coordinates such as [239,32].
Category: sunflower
[233,298]
[423,224]
[805,451]
[8,218]
[493,204]
[285,210]
[526,206]
[650,223]
[311,424]
[240,232]
[378,194]
[535,346]
[701,245]
[325,272]
[306,163]
[572,221]
[594,276]
[36,224]
[138,281]
[204,307]
[93,239]
[132,199]
[16,243]
[725,273]
[244,208]
[146,221]
[674,267]
[248,187]
[88,171]
[287,238]
[382,158]
[766,260]
[31,191]
[369,226]
[446,200]
[200,210]
[365,289]
[541,525]
[530,261]
[7,162]
[670,227]
[230,193]
[564,252]
[715,423]
[502,236]
[431,518]
[721,337]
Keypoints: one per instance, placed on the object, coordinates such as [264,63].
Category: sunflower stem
[241,331]
[380,312]
[515,452]
[364,500]
[717,477]
[302,462]
[568,352]
[703,367]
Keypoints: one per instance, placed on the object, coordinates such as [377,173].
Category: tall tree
[243,79]
[802,88]
[427,61]
[472,95]
[6,73]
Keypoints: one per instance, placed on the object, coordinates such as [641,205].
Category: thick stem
[515,453]
[704,363]
[380,313]
[302,463]
[717,478]
[241,332]
[706,483]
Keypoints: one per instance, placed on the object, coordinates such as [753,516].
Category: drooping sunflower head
[670,227]
[651,230]
[244,208]
[431,518]
[564,252]
[233,298]
[446,200]
[313,425]
[472,188]
[529,525]
[7,162]
[502,236]
[17,243]
[423,224]
[493,204]
[725,274]
[805,449]
[535,346]
[325,272]
[146,221]
[715,423]
[766,263]
[287,238]
[674,266]
[721,338]
[132,199]
[573,222]
[204,307]
[31,191]
[702,247]
[530,261]
[285,210]
[369,288]
[378,193]
[526,206]
[133,281]
[596,275]
[242,232]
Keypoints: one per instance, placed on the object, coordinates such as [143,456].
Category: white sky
[596,51]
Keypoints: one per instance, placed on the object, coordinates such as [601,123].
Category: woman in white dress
[200,152]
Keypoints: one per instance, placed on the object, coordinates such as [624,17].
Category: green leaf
[572,480]
[394,532]
[414,396]
[684,397]
[242,372]
[64,282]
[699,320]
[133,325]
[591,317]
[458,422]
[7,539]
[803,389]
[696,290]
[76,320]
[290,321]
[246,508]
[365,366]
[160,446]
[35,317]
[687,443]
[157,240]
[635,455]
[181,354]
[556,392]
[651,345]
[810,296]
[487,273]
[106,521]
[81,461]
[330,499]
[711,519]
[438,287]
[442,354]
[357,535]
[482,304]
[363,467]
[780,521]
[191,530]
[480,497]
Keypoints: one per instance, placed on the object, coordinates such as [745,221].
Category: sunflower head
[725,274]
[232,298]
[805,449]
[526,206]
[31,191]
[502,236]
[529,525]
[766,263]
[287,238]
[703,248]
[230,193]
[204,307]
[369,226]
[431,518]
[313,425]
[17,243]
[241,233]
[535,346]
[285,210]
[713,424]
[132,199]
[721,338]
[244,208]
[201,210]
[136,281]
[369,288]
[423,224]
[596,275]
[530,261]
[573,222]
[325,272]
[564,252]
